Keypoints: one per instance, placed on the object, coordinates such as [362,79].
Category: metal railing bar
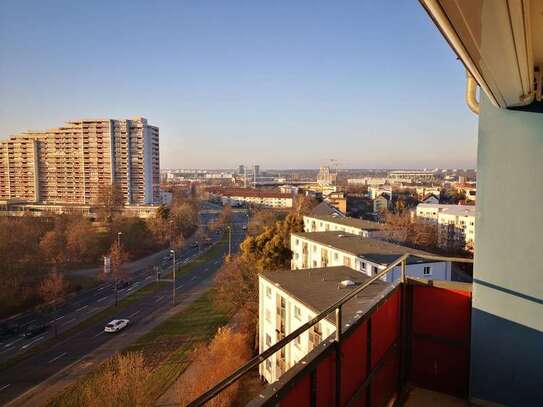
[257,360]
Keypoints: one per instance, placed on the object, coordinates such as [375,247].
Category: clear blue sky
[286,84]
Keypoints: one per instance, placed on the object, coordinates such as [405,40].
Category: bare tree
[109,202]
[52,291]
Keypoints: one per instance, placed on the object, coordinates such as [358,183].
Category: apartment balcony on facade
[72,164]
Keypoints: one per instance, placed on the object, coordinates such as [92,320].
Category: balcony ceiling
[499,41]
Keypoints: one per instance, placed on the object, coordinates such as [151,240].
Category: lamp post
[173,277]
[119,234]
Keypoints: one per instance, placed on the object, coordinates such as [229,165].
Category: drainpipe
[471,93]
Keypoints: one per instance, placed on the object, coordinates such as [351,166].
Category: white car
[116,325]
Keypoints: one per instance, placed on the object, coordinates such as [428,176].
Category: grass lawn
[166,348]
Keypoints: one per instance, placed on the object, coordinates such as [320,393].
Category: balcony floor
[419,397]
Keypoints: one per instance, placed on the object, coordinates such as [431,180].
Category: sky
[283,84]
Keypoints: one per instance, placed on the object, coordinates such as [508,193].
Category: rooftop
[459,210]
[351,222]
[319,288]
[324,208]
[376,251]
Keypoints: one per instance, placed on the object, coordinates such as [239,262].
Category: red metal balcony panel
[440,367]
[440,335]
[326,381]
[299,395]
[441,312]
[385,327]
[385,383]
[354,364]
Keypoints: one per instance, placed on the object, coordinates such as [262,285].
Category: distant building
[412,176]
[430,199]
[366,181]
[368,256]
[289,299]
[324,209]
[375,191]
[424,191]
[257,197]
[256,171]
[325,176]
[338,200]
[381,203]
[360,227]
[71,165]
[241,170]
[456,224]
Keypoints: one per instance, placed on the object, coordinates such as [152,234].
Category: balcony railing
[333,348]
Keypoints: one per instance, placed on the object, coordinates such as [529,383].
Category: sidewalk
[41,394]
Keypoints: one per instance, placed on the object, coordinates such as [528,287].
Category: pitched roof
[324,208]
[351,222]
[319,288]
[374,250]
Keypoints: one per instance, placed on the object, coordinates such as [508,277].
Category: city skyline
[270,82]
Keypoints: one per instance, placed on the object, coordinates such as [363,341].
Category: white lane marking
[4,387]
[81,308]
[159,298]
[32,343]
[179,286]
[14,342]
[101,288]
[134,314]
[217,261]
[58,357]
[98,334]
[193,278]
[67,322]
[148,277]
[101,299]
[59,318]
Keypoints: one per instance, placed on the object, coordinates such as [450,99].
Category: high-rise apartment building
[74,163]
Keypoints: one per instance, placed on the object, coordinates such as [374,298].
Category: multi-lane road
[34,369]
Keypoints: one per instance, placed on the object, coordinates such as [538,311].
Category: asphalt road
[90,301]
[37,368]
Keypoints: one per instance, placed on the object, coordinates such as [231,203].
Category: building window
[297,313]
[268,292]
[427,271]
[296,256]
[298,341]
[268,340]
[314,248]
[268,315]
[314,263]
[268,365]
[336,256]
[374,269]
[363,265]
[297,242]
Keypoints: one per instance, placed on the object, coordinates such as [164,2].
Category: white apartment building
[411,176]
[260,198]
[368,256]
[289,299]
[375,191]
[360,227]
[72,164]
[456,223]
[366,181]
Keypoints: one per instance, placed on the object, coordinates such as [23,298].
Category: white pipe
[471,93]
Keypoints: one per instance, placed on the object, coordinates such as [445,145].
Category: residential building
[381,203]
[324,208]
[430,199]
[412,176]
[360,227]
[72,164]
[338,200]
[425,191]
[375,191]
[287,300]
[456,224]
[368,256]
[367,181]
[257,197]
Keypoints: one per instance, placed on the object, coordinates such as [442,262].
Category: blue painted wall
[507,316]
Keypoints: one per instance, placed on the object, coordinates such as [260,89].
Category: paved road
[88,302]
[20,378]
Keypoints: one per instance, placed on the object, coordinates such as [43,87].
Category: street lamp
[173,279]
[119,234]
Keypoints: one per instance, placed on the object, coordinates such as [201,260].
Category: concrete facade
[72,164]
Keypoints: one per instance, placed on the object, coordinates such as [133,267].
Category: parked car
[194,245]
[122,284]
[116,325]
[35,329]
